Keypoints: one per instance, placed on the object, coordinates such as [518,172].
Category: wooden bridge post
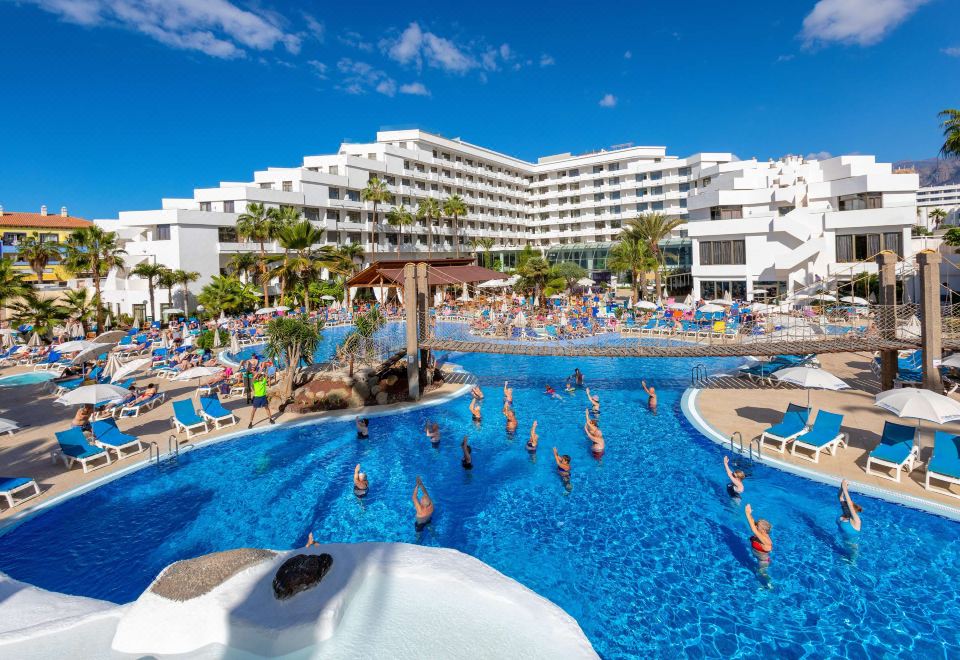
[931,339]
[413,337]
[423,315]
[887,262]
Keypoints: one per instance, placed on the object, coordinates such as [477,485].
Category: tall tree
[377,193]
[292,342]
[243,265]
[42,313]
[938,215]
[257,226]
[651,228]
[535,273]
[149,272]
[398,217]
[483,247]
[455,207]
[951,133]
[429,210]
[167,281]
[12,284]
[351,254]
[630,254]
[95,251]
[78,304]
[300,259]
[37,254]
[184,278]
[226,293]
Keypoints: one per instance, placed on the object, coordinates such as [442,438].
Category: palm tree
[397,217]
[350,254]
[12,284]
[359,343]
[291,341]
[226,293]
[630,254]
[951,133]
[37,254]
[454,206]
[184,278]
[378,193]
[41,313]
[243,264]
[95,251]
[150,272]
[78,304]
[299,239]
[428,210]
[485,244]
[938,215]
[535,274]
[651,228]
[256,225]
[165,280]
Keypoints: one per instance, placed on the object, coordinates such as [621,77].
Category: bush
[205,339]
[920,230]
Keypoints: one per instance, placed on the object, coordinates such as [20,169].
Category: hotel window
[684,187]
[861,247]
[312,214]
[333,214]
[615,194]
[163,233]
[658,190]
[640,177]
[656,176]
[333,169]
[228,207]
[225,234]
[334,193]
[657,206]
[353,195]
[683,171]
[598,197]
[723,253]
[266,186]
[861,202]
[597,169]
[205,206]
[49,238]
[614,181]
[287,186]
[726,212]
[574,173]
[13,238]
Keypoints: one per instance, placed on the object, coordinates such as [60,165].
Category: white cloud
[547,60]
[953,51]
[505,51]
[317,29]
[218,28]
[415,88]
[361,77]
[861,22]
[318,67]
[416,46]
[785,58]
[406,49]
[608,101]
[355,40]
[628,55]
[444,54]
[819,155]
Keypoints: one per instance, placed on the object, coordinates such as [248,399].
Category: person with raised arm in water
[563,468]
[363,428]
[849,520]
[475,409]
[652,393]
[476,392]
[534,439]
[360,484]
[578,377]
[594,434]
[736,477]
[594,400]
[507,394]
[511,419]
[467,462]
[433,433]
[423,505]
[760,542]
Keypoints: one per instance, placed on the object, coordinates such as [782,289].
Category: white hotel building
[570,207]
[946,198]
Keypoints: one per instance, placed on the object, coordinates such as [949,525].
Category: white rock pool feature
[377,600]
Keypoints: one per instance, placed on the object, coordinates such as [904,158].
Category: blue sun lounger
[74,448]
[214,412]
[108,436]
[14,490]
[824,435]
[186,420]
[896,451]
[944,465]
[793,424]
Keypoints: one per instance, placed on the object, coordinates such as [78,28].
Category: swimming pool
[646,550]
[28,378]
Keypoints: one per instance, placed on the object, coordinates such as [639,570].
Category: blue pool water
[28,378]
[646,550]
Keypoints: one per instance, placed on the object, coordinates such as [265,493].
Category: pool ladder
[698,376]
[736,445]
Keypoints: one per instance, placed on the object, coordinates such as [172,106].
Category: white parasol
[130,368]
[93,394]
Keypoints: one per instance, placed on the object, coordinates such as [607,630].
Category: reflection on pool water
[646,549]
[28,378]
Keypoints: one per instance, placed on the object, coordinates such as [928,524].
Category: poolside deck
[27,453]
[728,405]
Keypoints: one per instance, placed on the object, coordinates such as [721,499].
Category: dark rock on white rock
[299,573]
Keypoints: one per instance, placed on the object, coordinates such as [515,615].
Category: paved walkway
[27,452]
[733,404]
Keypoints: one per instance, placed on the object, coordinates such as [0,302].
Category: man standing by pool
[259,387]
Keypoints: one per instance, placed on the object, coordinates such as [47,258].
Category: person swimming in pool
[568,387]
[736,477]
[363,428]
[475,410]
[550,392]
[422,504]
[849,521]
[563,463]
[760,542]
[578,377]
[507,394]
[467,461]
[433,433]
[594,399]
[511,420]
[477,392]
[534,439]
[652,393]
[360,483]
[594,434]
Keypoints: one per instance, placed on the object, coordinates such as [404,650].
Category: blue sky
[109,105]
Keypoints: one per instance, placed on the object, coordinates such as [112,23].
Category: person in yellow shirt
[259,387]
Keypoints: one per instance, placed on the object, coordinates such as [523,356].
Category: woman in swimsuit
[507,394]
[467,461]
[595,401]
[735,487]
[849,520]
[563,468]
[760,542]
[475,410]
[363,428]
[652,393]
[578,377]
[477,392]
[423,506]
[511,420]
[433,433]
[534,439]
[360,484]
[594,434]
